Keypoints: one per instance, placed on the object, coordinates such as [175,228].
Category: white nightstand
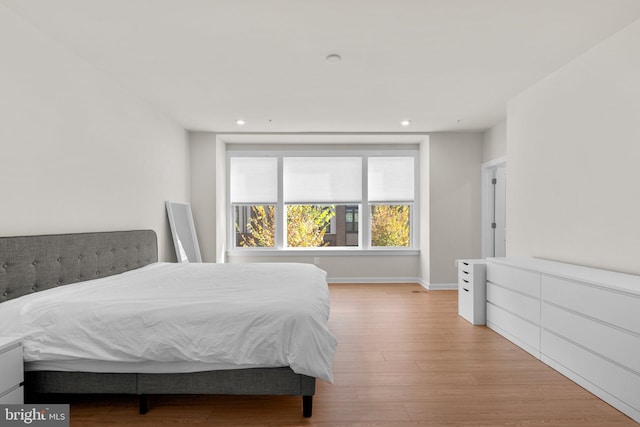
[472,290]
[11,371]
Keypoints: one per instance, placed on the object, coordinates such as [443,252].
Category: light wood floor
[405,358]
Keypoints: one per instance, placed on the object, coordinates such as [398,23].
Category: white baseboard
[442,286]
[373,280]
[426,285]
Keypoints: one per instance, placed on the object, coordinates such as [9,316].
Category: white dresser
[583,322]
[11,371]
[472,290]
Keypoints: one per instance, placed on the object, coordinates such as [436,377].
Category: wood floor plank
[564,412]
[359,356]
[405,359]
[403,366]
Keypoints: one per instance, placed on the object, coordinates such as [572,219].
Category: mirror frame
[177,222]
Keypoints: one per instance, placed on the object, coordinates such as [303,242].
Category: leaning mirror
[183,232]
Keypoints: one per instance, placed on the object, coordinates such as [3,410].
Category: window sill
[321,252]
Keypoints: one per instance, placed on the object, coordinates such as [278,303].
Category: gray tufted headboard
[35,263]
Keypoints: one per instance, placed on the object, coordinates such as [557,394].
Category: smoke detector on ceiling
[334,57]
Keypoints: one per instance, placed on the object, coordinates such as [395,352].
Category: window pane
[390,225]
[321,226]
[322,179]
[391,179]
[253,179]
[255,226]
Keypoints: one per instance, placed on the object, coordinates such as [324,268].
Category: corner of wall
[203,198]
[455,160]
[221,201]
[424,271]
[494,142]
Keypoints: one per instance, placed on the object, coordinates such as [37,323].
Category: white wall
[425,232]
[449,217]
[77,153]
[574,154]
[203,191]
[355,268]
[221,200]
[208,193]
[494,142]
[455,202]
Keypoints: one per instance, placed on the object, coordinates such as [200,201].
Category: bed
[121,274]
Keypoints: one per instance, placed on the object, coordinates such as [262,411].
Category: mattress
[180,318]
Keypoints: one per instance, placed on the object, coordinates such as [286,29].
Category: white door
[494,223]
[499,224]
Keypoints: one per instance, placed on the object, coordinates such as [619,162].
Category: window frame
[364,218]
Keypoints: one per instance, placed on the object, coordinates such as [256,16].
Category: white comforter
[234,314]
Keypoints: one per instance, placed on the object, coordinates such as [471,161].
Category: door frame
[488,171]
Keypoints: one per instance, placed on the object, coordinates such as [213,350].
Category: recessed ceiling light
[240,122]
[405,122]
[334,57]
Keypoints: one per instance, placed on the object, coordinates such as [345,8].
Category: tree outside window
[257,229]
[307,225]
[390,225]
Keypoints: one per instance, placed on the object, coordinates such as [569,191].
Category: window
[253,192]
[351,221]
[391,195]
[308,226]
[296,200]
[255,226]
[391,225]
[315,190]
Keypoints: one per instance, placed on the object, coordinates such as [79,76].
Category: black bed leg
[144,404]
[307,406]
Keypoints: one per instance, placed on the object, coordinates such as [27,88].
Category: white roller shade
[391,179]
[253,180]
[322,179]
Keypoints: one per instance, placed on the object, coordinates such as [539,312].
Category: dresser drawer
[614,344]
[14,397]
[606,376]
[521,305]
[11,368]
[517,330]
[465,268]
[465,282]
[465,301]
[523,281]
[466,275]
[615,308]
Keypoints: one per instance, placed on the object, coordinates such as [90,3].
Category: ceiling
[446,65]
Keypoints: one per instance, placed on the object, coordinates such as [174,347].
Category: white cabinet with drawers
[583,322]
[513,305]
[11,371]
[472,290]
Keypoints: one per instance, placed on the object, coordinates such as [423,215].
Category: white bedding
[224,315]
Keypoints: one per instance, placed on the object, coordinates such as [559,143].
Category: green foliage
[261,230]
[307,225]
[390,226]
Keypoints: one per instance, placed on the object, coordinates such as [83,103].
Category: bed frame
[35,263]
